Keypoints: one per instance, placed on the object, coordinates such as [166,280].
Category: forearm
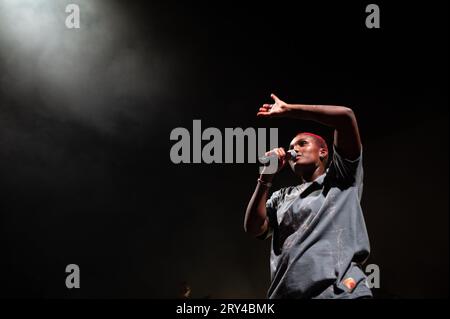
[342,119]
[255,221]
[329,115]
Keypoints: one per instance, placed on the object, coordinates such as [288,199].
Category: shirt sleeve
[347,172]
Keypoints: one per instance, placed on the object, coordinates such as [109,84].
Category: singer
[319,237]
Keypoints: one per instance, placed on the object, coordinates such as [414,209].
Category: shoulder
[338,157]
[345,172]
[282,192]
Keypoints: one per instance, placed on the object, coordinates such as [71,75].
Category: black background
[97,188]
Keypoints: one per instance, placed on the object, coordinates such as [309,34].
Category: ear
[323,153]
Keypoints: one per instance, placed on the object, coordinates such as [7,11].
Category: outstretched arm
[342,119]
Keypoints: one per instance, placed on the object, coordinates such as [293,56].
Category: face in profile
[311,153]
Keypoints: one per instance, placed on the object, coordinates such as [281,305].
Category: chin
[300,165]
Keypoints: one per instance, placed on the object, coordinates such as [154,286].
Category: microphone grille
[292,153]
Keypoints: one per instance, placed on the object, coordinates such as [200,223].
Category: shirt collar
[317,182]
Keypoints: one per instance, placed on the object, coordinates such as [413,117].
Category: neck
[309,176]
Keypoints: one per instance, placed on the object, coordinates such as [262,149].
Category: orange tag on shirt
[350,283]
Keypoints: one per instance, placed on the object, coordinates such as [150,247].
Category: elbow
[252,232]
[249,230]
[245,228]
[346,116]
[347,112]
[254,229]
[255,220]
[246,221]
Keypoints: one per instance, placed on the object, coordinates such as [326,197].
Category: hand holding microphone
[280,154]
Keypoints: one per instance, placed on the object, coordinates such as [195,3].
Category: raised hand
[277,109]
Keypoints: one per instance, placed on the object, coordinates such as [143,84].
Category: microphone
[291,154]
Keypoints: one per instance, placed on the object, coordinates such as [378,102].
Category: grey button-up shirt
[319,237]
